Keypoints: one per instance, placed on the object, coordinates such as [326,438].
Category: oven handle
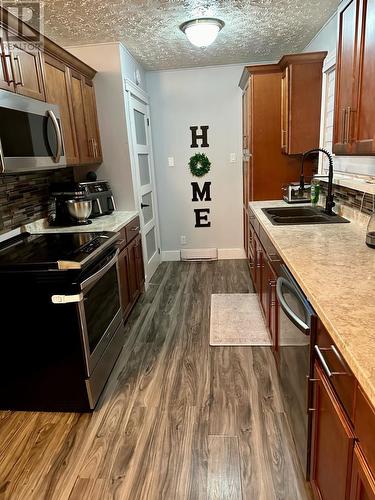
[96,276]
[55,123]
[296,320]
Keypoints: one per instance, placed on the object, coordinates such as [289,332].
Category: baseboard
[231,253]
[170,255]
[223,254]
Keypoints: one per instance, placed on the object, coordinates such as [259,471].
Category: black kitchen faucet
[329,199]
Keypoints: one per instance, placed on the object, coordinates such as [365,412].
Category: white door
[143,173]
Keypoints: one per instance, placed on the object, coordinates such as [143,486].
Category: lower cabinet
[332,443]
[264,279]
[131,272]
[363,482]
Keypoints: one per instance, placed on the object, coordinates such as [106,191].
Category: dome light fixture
[202,32]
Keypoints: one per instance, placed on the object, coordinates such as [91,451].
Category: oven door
[295,320]
[100,310]
[30,134]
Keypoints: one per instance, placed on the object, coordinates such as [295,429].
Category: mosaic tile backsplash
[364,202]
[24,198]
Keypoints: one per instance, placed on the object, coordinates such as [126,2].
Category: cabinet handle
[283,139]
[324,363]
[135,229]
[19,64]
[343,126]
[6,57]
[348,124]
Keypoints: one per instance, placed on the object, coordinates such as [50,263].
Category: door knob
[143,205]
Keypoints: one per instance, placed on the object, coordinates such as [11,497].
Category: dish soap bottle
[370,235]
[315,191]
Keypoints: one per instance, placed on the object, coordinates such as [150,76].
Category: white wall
[113,63]
[180,99]
[325,39]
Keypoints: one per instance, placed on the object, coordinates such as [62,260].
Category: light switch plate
[170,161]
[233,158]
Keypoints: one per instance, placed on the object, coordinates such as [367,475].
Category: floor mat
[236,319]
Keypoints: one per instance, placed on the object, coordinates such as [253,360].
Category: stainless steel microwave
[30,135]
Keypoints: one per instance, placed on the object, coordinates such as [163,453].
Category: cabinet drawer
[132,230]
[364,426]
[341,377]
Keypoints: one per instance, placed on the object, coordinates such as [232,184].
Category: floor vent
[199,254]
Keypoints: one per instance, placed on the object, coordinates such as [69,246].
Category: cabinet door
[126,301]
[139,263]
[362,116]
[58,91]
[92,127]
[5,74]
[363,482]
[332,443]
[285,110]
[346,75]
[258,265]
[27,68]
[79,118]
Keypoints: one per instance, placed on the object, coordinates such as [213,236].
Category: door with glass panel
[145,179]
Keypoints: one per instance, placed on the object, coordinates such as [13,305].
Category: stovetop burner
[48,251]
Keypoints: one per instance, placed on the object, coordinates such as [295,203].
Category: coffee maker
[78,202]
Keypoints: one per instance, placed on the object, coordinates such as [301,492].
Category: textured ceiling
[255,30]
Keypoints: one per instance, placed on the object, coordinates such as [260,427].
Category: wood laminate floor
[178,419]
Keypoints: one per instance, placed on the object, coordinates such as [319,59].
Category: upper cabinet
[354,123]
[58,91]
[26,64]
[301,93]
[21,66]
[56,76]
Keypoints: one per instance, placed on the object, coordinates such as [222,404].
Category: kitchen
[177,178]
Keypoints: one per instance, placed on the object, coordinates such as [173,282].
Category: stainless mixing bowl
[80,210]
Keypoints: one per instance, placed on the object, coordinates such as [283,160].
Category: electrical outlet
[183,240]
[170,161]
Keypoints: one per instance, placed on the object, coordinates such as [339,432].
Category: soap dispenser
[370,235]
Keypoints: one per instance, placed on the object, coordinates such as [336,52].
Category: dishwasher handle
[296,320]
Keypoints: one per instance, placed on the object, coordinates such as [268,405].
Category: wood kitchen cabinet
[131,269]
[58,91]
[91,120]
[301,93]
[332,443]
[363,481]
[55,75]
[84,111]
[264,276]
[354,121]
[27,68]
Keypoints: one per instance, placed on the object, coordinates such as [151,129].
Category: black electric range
[53,250]
[62,328]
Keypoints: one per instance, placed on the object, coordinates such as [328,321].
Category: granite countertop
[336,271]
[114,222]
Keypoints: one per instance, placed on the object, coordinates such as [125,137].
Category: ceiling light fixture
[202,32]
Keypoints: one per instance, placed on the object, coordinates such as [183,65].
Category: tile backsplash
[24,198]
[358,200]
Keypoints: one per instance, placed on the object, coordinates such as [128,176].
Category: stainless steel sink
[288,216]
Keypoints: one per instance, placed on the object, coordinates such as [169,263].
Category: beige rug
[236,320]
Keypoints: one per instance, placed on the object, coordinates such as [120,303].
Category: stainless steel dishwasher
[297,324]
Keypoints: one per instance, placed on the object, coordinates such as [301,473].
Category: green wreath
[199,165]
